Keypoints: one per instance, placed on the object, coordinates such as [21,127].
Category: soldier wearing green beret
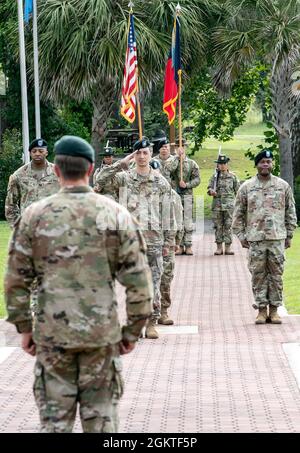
[264,219]
[77,244]
[223,187]
[31,182]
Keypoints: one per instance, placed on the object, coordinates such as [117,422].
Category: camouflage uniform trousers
[188,227]
[222,221]
[91,378]
[166,279]
[266,263]
[155,261]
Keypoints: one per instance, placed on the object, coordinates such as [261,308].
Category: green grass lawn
[246,137]
[4,237]
[291,276]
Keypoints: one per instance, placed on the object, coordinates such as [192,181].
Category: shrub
[10,161]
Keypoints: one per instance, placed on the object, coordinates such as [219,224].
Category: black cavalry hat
[222,159]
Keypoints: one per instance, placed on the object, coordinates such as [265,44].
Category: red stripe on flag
[170,92]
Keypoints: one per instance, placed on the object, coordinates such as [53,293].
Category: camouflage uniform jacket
[227,187]
[24,188]
[77,243]
[264,210]
[107,190]
[145,197]
[167,166]
[190,175]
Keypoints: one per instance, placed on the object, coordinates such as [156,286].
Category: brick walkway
[218,372]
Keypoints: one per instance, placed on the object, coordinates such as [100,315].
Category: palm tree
[82,48]
[268,31]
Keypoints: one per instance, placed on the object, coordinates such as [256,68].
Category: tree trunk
[296,146]
[286,162]
[104,103]
[284,111]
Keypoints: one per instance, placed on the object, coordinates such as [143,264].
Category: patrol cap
[108,151]
[140,144]
[161,143]
[70,145]
[265,153]
[38,143]
[222,159]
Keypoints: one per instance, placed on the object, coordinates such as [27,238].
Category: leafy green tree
[82,49]
[216,116]
[267,31]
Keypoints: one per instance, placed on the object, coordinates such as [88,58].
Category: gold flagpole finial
[178,9]
[131,5]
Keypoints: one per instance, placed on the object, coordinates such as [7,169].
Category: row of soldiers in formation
[75,243]
[166,239]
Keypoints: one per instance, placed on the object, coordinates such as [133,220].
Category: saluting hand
[128,158]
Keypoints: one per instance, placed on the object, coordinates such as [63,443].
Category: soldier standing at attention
[184,187]
[108,159]
[264,219]
[77,243]
[31,182]
[145,192]
[223,187]
[167,164]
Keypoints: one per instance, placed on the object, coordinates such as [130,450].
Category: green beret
[70,145]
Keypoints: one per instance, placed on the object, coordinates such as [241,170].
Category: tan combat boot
[164,318]
[228,250]
[219,250]
[180,251]
[151,332]
[273,315]
[188,250]
[262,316]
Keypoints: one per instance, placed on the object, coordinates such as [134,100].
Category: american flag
[129,88]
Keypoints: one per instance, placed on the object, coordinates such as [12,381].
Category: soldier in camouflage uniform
[31,182]
[223,186]
[146,194]
[168,164]
[108,160]
[184,187]
[77,243]
[264,219]
[169,261]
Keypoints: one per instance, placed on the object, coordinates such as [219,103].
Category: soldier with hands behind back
[77,244]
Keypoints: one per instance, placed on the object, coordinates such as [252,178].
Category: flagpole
[25,126]
[139,106]
[137,94]
[178,9]
[36,73]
